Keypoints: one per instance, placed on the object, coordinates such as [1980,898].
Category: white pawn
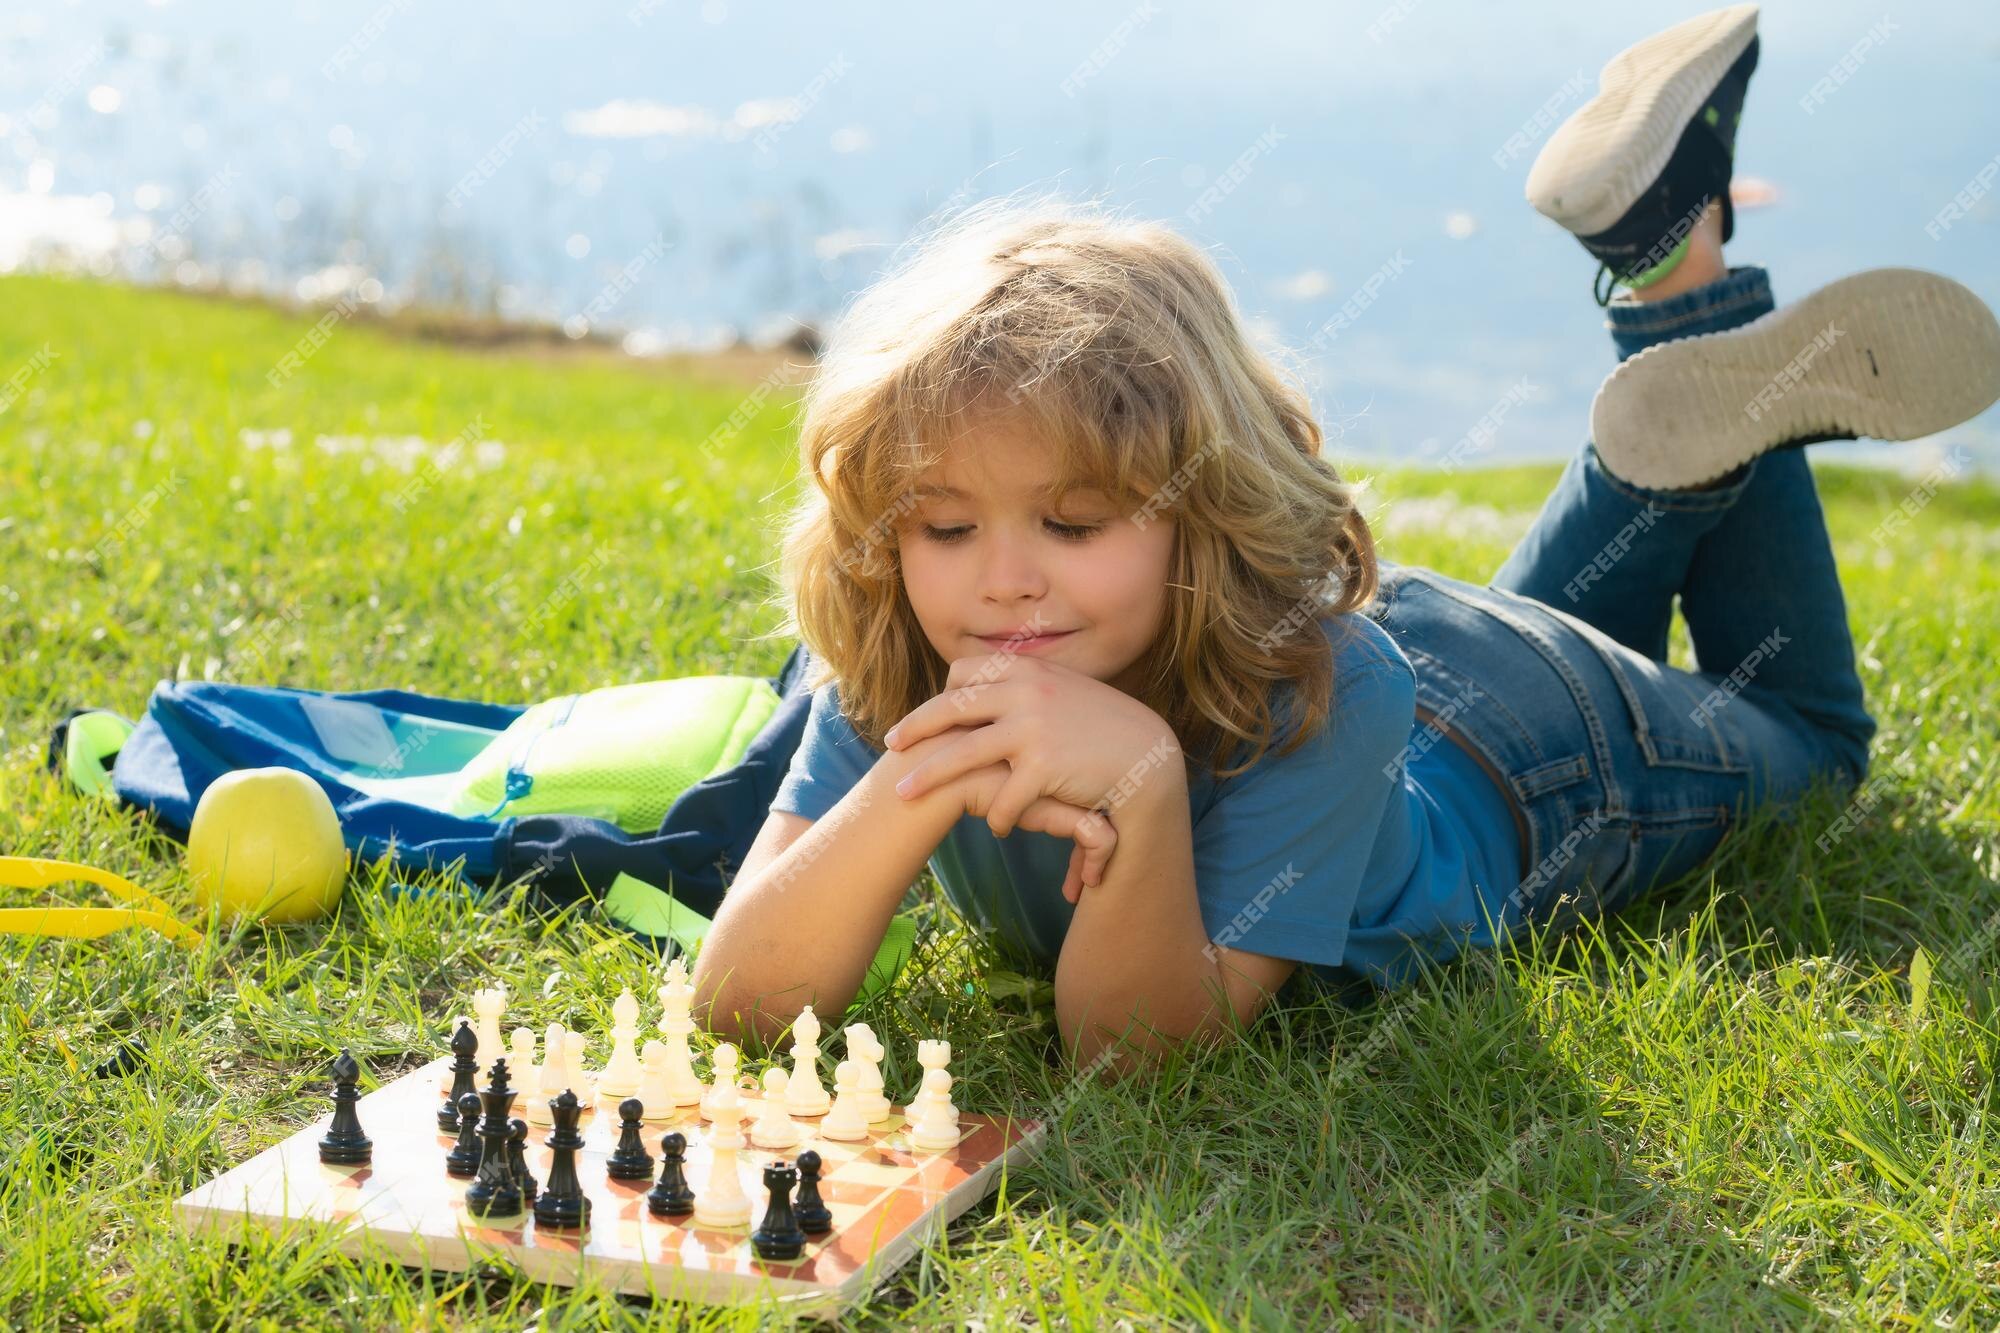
[555,1042]
[722,1202]
[654,1091]
[865,1049]
[619,1078]
[676,1000]
[725,1077]
[488,1004]
[576,1078]
[935,1118]
[775,1127]
[804,1093]
[844,1120]
[521,1069]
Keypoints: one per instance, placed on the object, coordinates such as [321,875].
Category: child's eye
[1075,532]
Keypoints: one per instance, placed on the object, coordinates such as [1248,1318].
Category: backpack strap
[85,923]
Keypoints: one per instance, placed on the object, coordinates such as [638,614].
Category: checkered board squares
[885,1195]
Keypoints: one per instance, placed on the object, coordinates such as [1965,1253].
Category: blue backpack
[644,797]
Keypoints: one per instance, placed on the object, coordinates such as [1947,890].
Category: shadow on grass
[1643,1123]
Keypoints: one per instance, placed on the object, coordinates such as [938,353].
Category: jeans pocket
[1679,719]
[1618,860]
[1587,873]
[1667,847]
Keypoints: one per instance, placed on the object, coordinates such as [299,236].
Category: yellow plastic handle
[88,923]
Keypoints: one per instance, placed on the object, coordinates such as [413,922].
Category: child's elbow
[1108,1058]
[756,1023]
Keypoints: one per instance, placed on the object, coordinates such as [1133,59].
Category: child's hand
[1062,735]
[1092,831]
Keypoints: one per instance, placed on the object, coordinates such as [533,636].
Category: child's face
[996,558]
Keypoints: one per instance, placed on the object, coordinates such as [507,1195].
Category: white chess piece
[619,1078]
[654,1091]
[721,1201]
[488,1004]
[775,1127]
[576,1078]
[935,1118]
[521,1069]
[936,1055]
[845,1120]
[804,1093]
[725,1077]
[865,1049]
[676,1001]
[550,1083]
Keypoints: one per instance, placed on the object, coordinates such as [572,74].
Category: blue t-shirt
[1368,845]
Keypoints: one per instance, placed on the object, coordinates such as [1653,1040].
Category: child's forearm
[804,928]
[1136,944]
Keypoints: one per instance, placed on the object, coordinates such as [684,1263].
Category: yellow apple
[266,841]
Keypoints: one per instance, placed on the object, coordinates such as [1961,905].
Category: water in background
[682,174]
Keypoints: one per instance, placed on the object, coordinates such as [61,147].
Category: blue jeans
[1629,771]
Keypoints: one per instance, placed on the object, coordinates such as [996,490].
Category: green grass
[1727,1107]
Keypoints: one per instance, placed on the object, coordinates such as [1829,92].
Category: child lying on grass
[1105,640]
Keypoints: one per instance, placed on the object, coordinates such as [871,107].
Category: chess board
[886,1198]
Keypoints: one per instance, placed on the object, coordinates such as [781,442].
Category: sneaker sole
[1600,160]
[1890,354]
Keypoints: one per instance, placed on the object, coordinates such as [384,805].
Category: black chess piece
[464,1065]
[815,1218]
[630,1160]
[671,1197]
[129,1058]
[562,1202]
[517,1160]
[493,1193]
[346,1143]
[778,1236]
[463,1159]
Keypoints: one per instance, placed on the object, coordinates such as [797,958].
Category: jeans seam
[1662,323]
[1526,734]
[1578,691]
[1680,821]
[1698,502]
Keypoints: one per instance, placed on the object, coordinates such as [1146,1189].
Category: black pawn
[778,1236]
[815,1218]
[562,1202]
[493,1193]
[517,1160]
[630,1160]
[464,1044]
[345,1144]
[672,1197]
[463,1159]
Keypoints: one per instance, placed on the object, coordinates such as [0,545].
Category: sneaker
[1890,354]
[1631,172]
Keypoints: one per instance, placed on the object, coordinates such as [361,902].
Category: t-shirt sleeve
[831,757]
[1281,855]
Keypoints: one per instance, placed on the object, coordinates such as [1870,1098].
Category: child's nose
[1012,568]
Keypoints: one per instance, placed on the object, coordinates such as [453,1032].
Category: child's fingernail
[903,787]
[889,737]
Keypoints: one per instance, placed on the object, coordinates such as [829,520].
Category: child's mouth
[1024,645]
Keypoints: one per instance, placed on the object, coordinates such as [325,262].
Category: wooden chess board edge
[203,1210]
[459,1253]
[229,1203]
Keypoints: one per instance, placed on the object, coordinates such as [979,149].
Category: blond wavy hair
[1119,343]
